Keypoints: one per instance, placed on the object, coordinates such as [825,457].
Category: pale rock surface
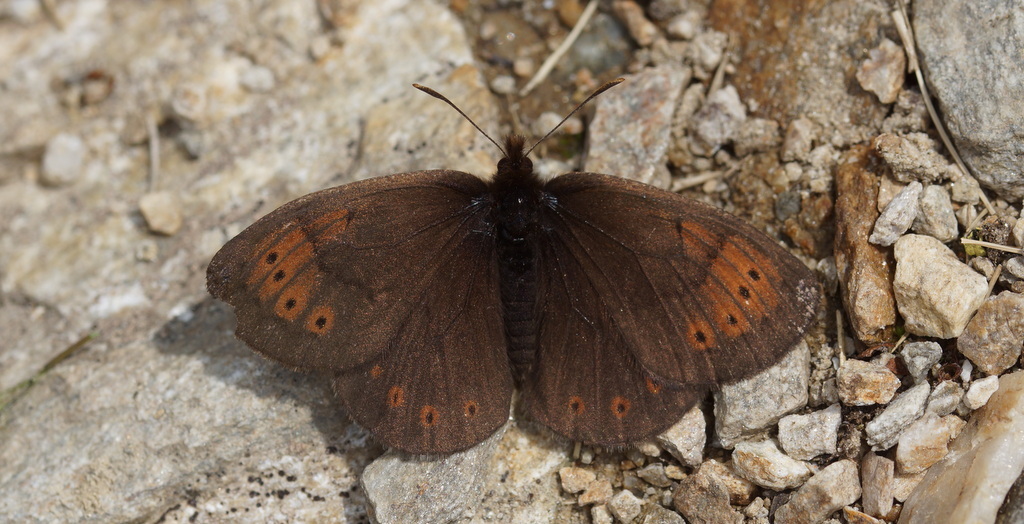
[63,160]
[804,437]
[748,406]
[627,141]
[765,465]
[830,489]
[980,391]
[993,339]
[884,430]
[876,480]
[969,485]
[919,357]
[704,499]
[862,383]
[925,442]
[685,439]
[884,70]
[935,215]
[898,215]
[935,292]
[968,50]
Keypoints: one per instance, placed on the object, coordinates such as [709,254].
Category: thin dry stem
[556,55]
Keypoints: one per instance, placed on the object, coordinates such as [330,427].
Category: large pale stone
[935,292]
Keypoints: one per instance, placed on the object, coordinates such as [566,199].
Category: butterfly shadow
[207,334]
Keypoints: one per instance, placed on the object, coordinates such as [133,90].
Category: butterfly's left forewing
[671,290]
[392,285]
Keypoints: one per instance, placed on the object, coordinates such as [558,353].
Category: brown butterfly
[613,305]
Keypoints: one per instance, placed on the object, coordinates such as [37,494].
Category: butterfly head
[515,165]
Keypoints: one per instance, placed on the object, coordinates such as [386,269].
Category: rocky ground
[138,137]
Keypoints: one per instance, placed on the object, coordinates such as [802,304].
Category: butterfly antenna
[444,99]
[606,86]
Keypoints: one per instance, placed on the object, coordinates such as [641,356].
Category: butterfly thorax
[517,193]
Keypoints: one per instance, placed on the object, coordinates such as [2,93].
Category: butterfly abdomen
[518,270]
[516,191]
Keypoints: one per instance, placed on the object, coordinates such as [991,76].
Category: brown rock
[863,383]
[992,339]
[876,481]
[865,270]
[786,48]
[703,499]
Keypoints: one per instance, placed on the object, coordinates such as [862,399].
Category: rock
[624,506]
[402,490]
[799,139]
[969,485]
[575,480]
[935,216]
[656,514]
[826,492]
[897,216]
[63,160]
[780,72]
[707,52]
[926,441]
[597,492]
[903,484]
[741,491]
[853,516]
[968,48]
[1012,510]
[257,79]
[703,499]
[804,437]
[909,115]
[601,515]
[504,85]
[684,26]
[884,71]
[914,157]
[935,292]
[748,406]
[865,270]
[654,474]
[685,439]
[980,392]
[884,430]
[757,135]
[876,480]
[763,464]
[1018,233]
[945,398]
[992,339]
[718,121]
[633,147]
[757,511]
[1015,267]
[398,136]
[919,357]
[162,211]
[632,15]
[863,383]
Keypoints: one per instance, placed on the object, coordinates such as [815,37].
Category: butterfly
[430,296]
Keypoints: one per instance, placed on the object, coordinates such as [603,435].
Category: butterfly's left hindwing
[584,383]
